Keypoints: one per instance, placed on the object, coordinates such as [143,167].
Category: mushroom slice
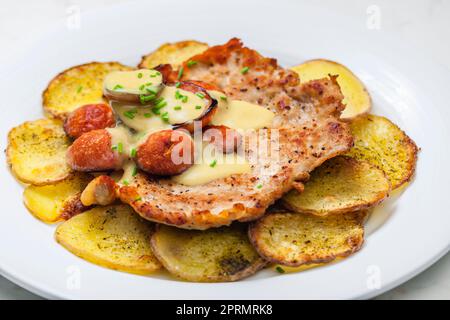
[138,86]
[208,112]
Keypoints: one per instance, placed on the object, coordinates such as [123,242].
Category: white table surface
[423,23]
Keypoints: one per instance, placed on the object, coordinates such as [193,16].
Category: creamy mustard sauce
[129,171]
[121,140]
[212,168]
[139,118]
[182,106]
[142,81]
[125,144]
[237,114]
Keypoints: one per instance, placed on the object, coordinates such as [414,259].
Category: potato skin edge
[411,146]
[253,229]
[99,261]
[354,208]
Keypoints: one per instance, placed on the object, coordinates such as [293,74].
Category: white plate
[405,236]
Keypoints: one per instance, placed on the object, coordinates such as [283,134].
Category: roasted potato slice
[173,53]
[381,143]
[295,239]
[36,152]
[77,86]
[222,254]
[341,184]
[114,237]
[356,97]
[54,202]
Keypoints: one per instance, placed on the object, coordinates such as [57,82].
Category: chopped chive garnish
[198,107]
[178,84]
[156,110]
[120,147]
[177,108]
[178,95]
[140,75]
[117,87]
[200,95]
[213,163]
[140,135]
[161,104]
[125,182]
[244,70]
[157,73]
[133,152]
[135,171]
[180,72]
[279,269]
[146,98]
[191,63]
[223,98]
[184,99]
[79,89]
[148,84]
[259,186]
[165,116]
[138,199]
[142,87]
[147,115]
[130,114]
[114,147]
[151,91]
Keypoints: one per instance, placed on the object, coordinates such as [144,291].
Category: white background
[423,23]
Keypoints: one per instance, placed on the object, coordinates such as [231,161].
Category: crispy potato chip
[58,201]
[356,97]
[36,152]
[295,239]
[114,237]
[222,254]
[341,184]
[381,143]
[76,87]
[173,53]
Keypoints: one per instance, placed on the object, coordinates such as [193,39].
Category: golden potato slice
[341,184]
[36,152]
[76,87]
[58,201]
[222,254]
[173,53]
[114,237]
[381,143]
[356,97]
[295,239]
